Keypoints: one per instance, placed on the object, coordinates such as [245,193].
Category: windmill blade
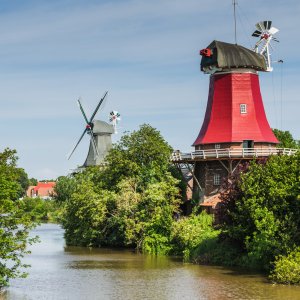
[82,111]
[259,26]
[273,30]
[275,40]
[256,33]
[98,106]
[267,24]
[77,143]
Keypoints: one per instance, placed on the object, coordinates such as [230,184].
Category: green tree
[33,181]
[64,188]
[147,216]
[14,224]
[86,216]
[262,209]
[42,210]
[128,202]
[285,139]
[143,155]
[24,182]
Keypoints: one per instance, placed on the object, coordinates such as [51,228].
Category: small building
[43,190]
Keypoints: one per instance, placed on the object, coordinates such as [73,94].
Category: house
[43,190]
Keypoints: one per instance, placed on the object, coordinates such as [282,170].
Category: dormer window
[243,108]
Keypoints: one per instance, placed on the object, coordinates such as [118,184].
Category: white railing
[230,153]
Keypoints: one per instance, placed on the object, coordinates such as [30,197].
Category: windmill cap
[231,56]
[101,127]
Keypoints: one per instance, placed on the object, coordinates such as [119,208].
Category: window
[217,146]
[243,108]
[217,179]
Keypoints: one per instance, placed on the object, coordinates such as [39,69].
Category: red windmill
[235,114]
[235,127]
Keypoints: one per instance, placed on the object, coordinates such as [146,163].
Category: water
[59,272]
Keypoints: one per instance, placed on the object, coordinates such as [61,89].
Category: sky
[144,53]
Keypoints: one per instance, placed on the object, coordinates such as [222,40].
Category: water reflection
[60,272]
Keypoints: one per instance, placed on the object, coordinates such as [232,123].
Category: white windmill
[265,32]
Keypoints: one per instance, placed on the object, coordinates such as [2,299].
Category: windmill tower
[100,135]
[235,127]
[100,144]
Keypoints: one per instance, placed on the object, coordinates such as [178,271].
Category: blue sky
[145,53]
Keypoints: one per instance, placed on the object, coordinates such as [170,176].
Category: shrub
[192,232]
[41,210]
[287,268]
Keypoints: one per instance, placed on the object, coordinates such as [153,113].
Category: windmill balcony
[238,153]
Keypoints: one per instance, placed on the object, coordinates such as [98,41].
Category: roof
[101,127]
[45,191]
[212,201]
[47,185]
[228,56]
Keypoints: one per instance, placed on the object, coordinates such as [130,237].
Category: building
[235,127]
[43,190]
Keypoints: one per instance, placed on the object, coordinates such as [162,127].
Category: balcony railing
[246,153]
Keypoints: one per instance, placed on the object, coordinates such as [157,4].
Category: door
[248,144]
[247,147]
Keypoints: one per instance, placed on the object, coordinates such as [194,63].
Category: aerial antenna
[234,3]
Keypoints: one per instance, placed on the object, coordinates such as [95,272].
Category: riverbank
[60,272]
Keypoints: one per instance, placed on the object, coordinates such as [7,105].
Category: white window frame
[217,179]
[217,146]
[243,108]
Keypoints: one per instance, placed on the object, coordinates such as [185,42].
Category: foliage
[287,268]
[14,223]
[23,181]
[9,175]
[86,216]
[64,187]
[129,202]
[41,210]
[148,216]
[33,181]
[191,233]
[285,139]
[262,209]
[143,155]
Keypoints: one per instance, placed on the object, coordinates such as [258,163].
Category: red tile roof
[212,201]
[42,189]
[44,185]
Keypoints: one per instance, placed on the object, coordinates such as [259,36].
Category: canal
[60,272]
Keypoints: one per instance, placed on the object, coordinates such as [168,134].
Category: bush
[85,219]
[287,268]
[41,210]
[191,233]
[261,209]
